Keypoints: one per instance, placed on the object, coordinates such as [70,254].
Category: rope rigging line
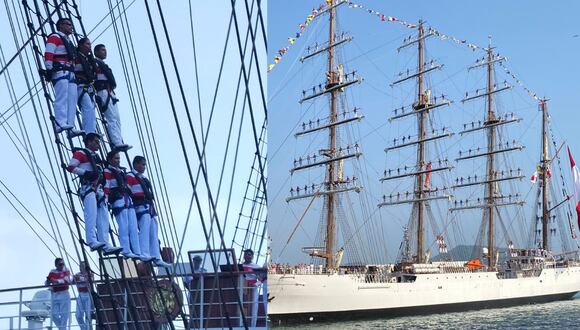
[157,168]
[181,137]
[183,147]
[130,88]
[28,146]
[247,84]
[9,200]
[230,131]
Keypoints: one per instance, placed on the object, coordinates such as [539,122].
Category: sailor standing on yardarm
[87,164]
[107,100]
[85,67]
[59,58]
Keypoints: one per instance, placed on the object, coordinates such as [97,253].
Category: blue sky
[539,40]
[19,247]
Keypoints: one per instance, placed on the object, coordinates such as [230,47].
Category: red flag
[534,177]
[576,174]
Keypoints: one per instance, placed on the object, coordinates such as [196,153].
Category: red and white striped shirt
[251,278]
[111,182]
[136,187]
[80,163]
[81,280]
[56,51]
[100,73]
[59,279]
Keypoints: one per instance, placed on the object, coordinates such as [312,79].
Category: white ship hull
[316,297]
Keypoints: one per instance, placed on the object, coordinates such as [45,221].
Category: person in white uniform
[107,99]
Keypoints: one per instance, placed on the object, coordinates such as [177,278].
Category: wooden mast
[421,145]
[545,176]
[491,119]
[330,169]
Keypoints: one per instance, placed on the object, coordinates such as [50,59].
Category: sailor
[251,287]
[82,281]
[119,198]
[193,286]
[85,67]
[87,164]
[59,57]
[58,281]
[197,269]
[144,203]
[107,100]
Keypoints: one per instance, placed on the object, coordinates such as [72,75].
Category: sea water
[555,315]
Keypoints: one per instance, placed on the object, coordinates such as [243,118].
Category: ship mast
[421,145]
[493,198]
[332,156]
[545,165]
[422,192]
[330,168]
[489,191]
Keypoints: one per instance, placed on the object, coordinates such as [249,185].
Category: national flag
[534,177]
[576,174]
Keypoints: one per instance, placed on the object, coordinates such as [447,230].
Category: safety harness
[86,78]
[118,192]
[147,198]
[110,84]
[88,186]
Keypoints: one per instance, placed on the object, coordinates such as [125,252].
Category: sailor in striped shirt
[84,303]
[58,281]
[251,292]
[118,196]
[88,166]
[144,203]
[59,56]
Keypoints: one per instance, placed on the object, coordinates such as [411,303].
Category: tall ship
[513,259]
